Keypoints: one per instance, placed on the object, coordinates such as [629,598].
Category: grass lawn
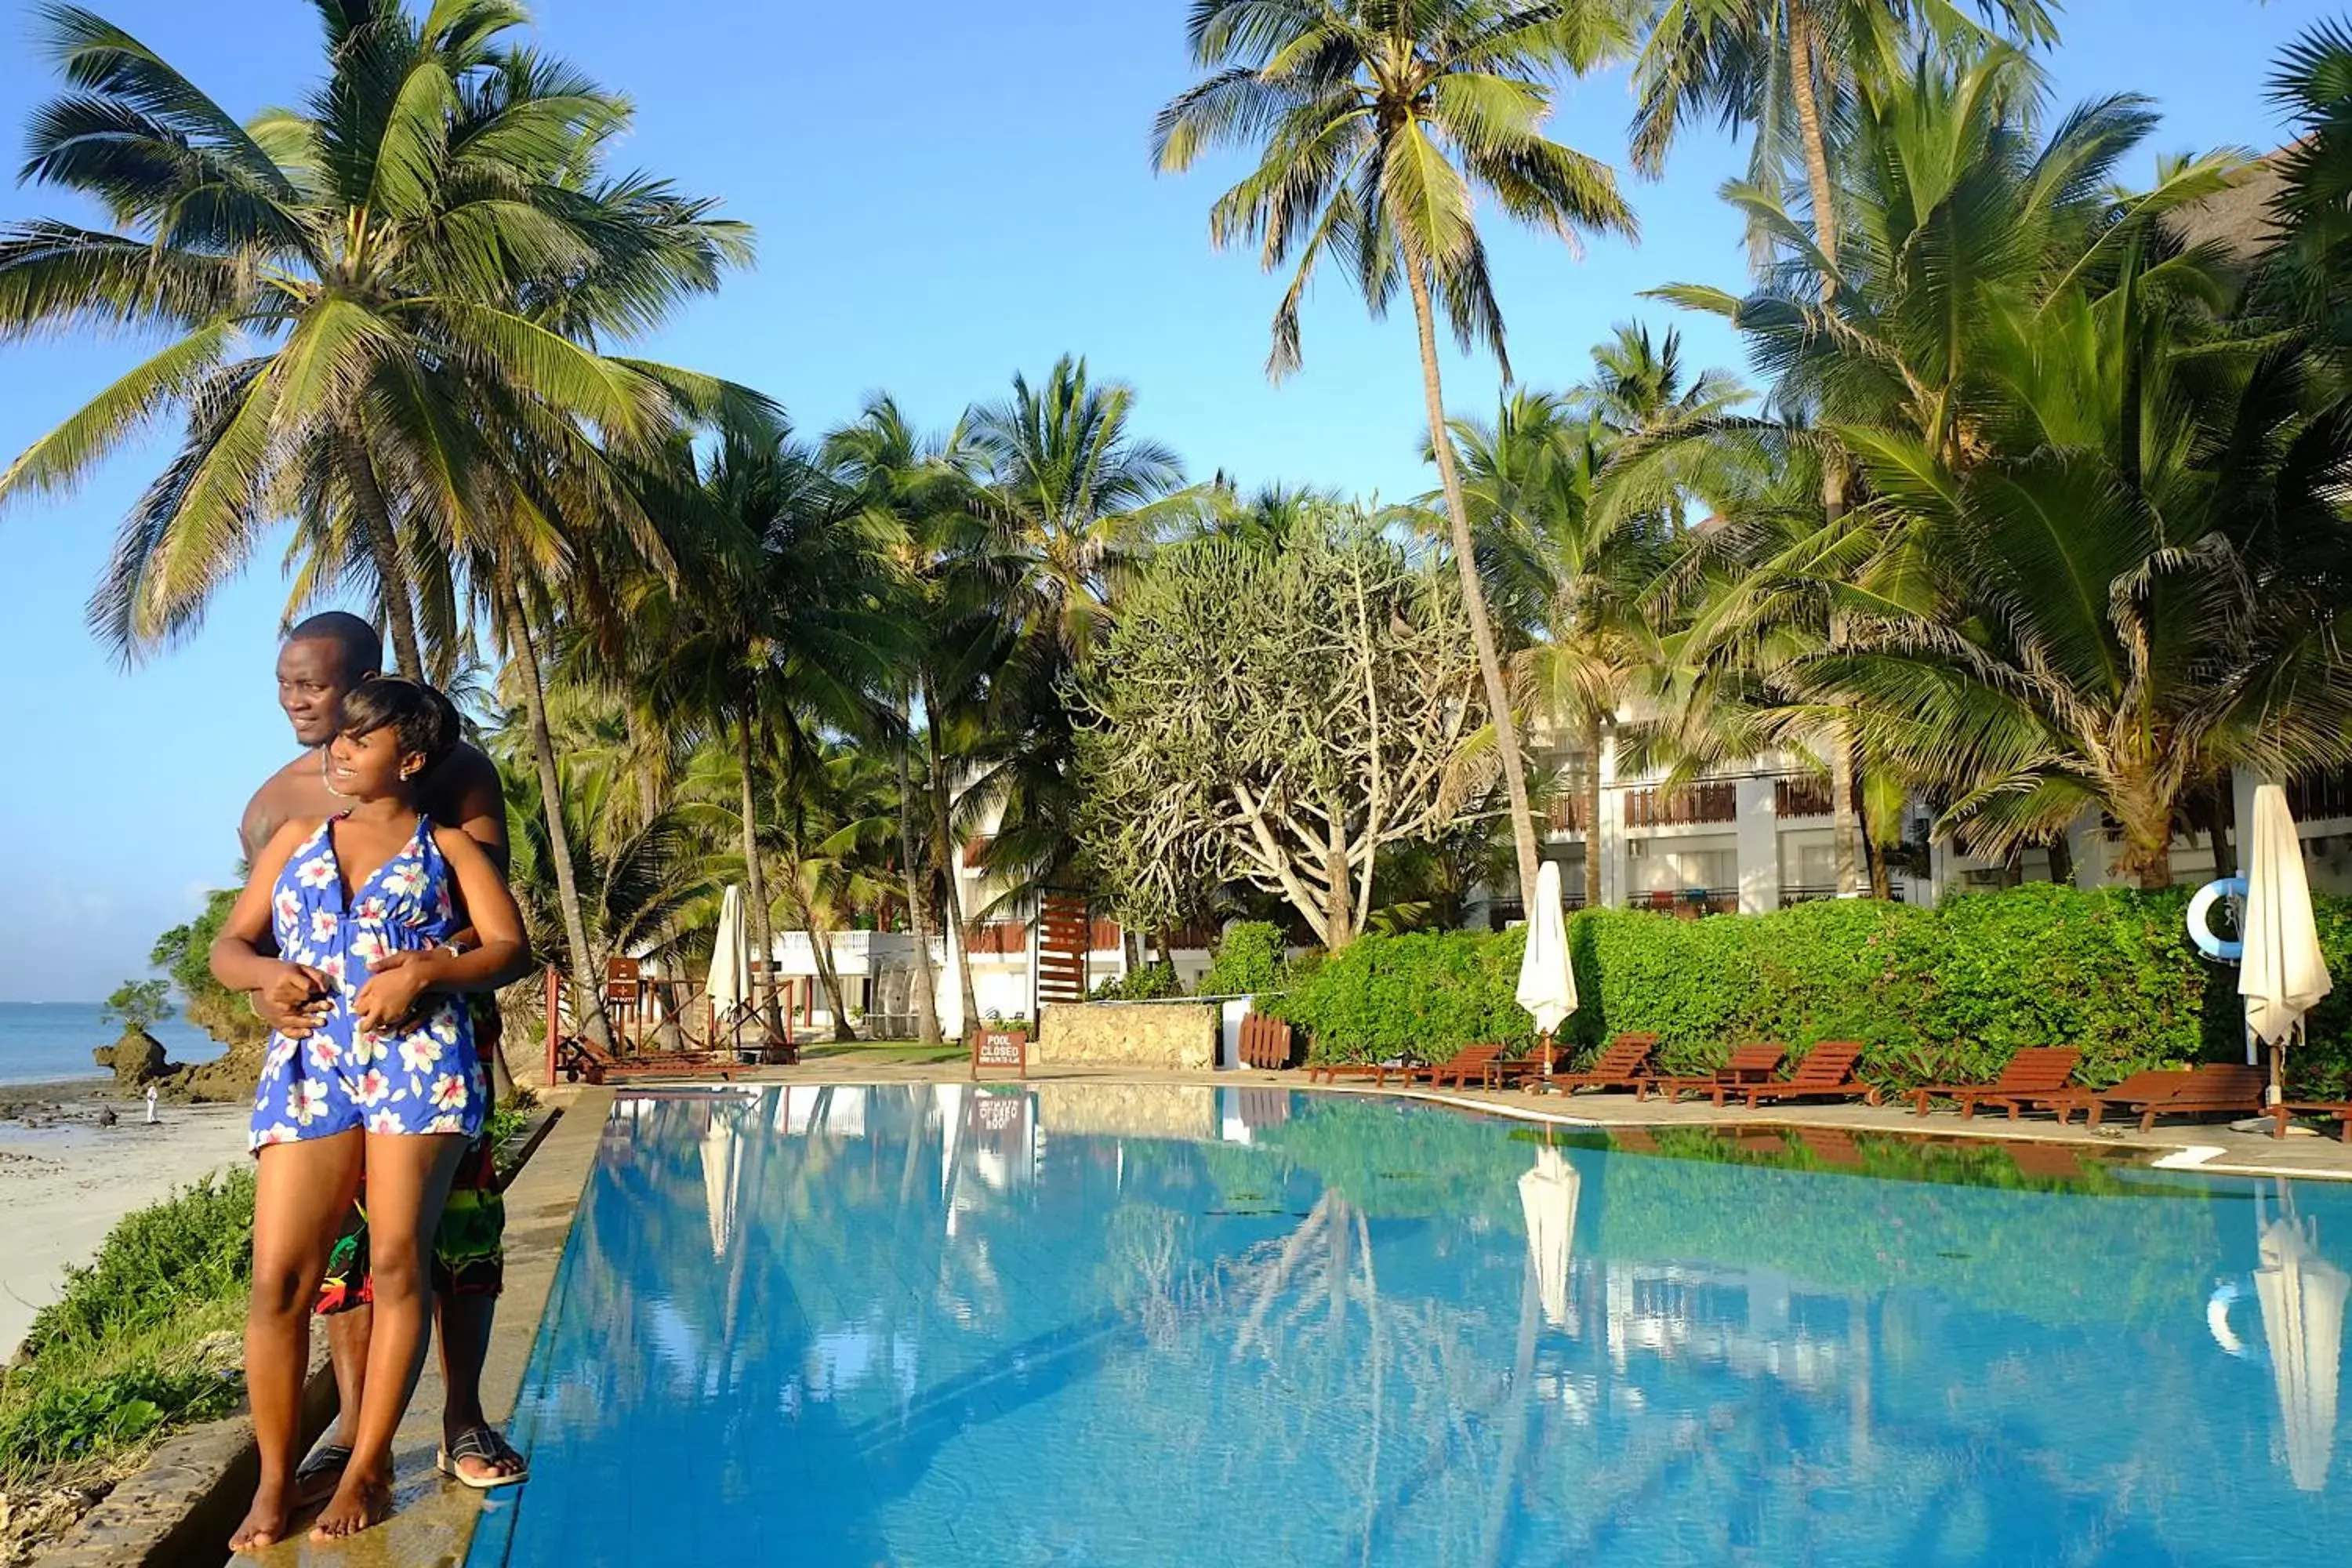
[897,1053]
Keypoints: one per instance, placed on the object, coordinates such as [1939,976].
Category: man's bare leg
[347,1351]
[465,1345]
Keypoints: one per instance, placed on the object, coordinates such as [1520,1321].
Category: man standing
[322,660]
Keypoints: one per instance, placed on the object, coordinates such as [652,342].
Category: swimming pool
[1068,1323]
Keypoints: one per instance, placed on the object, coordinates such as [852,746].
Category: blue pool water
[1085,1324]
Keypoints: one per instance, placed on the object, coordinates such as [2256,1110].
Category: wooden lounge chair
[2028,1076]
[2215,1088]
[1622,1064]
[2285,1110]
[1463,1064]
[1632,1140]
[1826,1073]
[2047,1161]
[1332,1072]
[1832,1146]
[578,1058]
[2139,1087]
[1468,1063]
[1756,1062]
[1266,1042]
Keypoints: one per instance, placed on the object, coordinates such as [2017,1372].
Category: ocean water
[42,1041]
[1087,1325]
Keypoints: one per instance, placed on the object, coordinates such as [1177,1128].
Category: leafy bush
[1247,961]
[1145,982]
[185,952]
[64,1422]
[1946,993]
[138,1005]
[196,1247]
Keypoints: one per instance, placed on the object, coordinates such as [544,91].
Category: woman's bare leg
[301,1195]
[408,1178]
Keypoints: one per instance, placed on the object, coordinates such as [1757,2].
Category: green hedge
[1946,993]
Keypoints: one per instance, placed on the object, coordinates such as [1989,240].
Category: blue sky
[944,194]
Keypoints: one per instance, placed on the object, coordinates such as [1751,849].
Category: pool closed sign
[1000,1049]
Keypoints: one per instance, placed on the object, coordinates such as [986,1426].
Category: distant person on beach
[152,1117]
[362,906]
[321,660]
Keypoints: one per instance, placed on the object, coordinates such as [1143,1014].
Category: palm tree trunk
[1802,77]
[1474,596]
[392,577]
[1591,812]
[1845,822]
[926,1001]
[1803,74]
[2062,861]
[587,993]
[946,854]
[755,877]
[828,982]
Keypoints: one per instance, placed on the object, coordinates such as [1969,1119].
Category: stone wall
[1126,1109]
[1178,1035]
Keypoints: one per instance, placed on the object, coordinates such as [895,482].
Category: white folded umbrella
[730,985]
[1546,978]
[2282,975]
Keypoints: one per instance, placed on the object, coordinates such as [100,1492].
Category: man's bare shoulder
[467,784]
[296,790]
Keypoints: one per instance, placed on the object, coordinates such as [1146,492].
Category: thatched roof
[2238,219]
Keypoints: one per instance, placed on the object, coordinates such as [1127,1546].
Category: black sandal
[316,1478]
[482,1443]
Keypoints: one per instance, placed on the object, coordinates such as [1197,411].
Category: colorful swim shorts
[468,1247]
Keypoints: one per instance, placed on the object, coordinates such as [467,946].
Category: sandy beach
[64,1181]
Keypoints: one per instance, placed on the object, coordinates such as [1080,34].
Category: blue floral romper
[422,1078]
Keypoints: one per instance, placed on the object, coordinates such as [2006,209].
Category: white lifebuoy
[2200,919]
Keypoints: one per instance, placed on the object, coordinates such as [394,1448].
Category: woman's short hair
[421,719]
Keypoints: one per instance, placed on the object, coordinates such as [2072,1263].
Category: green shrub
[1145,982]
[65,1421]
[1247,962]
[193,1247]
[1946,993]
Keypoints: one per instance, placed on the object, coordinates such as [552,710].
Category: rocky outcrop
[136,1059]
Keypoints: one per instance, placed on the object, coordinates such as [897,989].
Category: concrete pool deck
[436,1519]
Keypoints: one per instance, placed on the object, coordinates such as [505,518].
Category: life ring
[2200,919]
[2226,1295]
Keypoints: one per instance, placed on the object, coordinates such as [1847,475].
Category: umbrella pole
[1547,1060]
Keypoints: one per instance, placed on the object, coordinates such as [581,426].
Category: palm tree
[377,251]
[1073,498]
[834,826]
[2137,587]
[1954,214]
[777,634]
[1568,578]
[1374,123]
[921,493]
[1791,70]
[2075,488]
